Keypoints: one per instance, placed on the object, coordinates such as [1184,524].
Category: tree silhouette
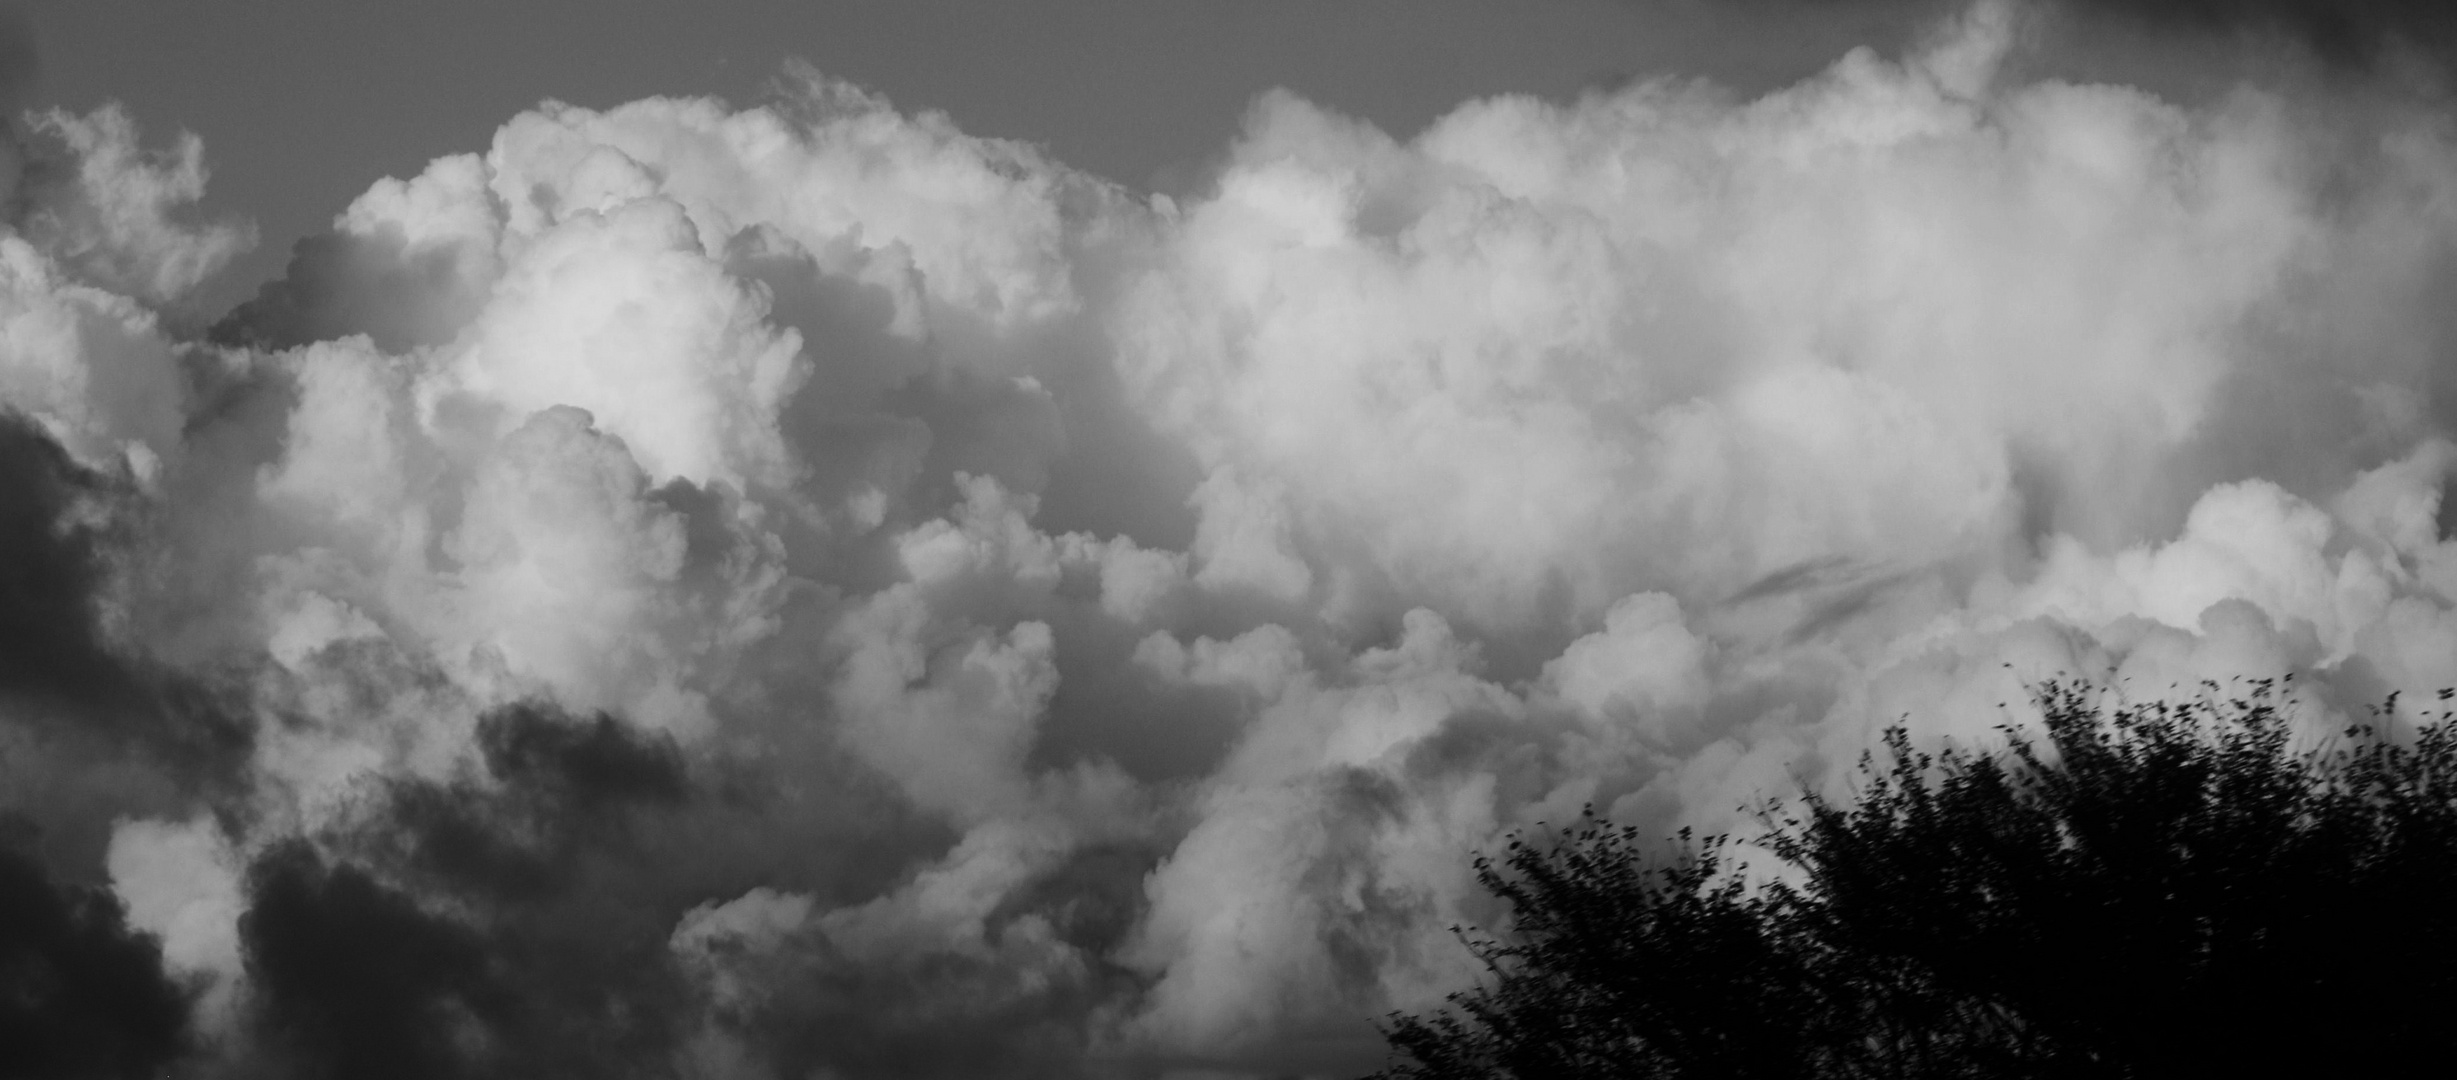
[2157,890]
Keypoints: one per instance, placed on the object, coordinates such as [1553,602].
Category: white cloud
[114,219]
[93,367]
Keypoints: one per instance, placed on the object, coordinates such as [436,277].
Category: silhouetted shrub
[2160,890]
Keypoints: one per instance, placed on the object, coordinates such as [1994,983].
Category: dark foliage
[2145,892]
[81,996]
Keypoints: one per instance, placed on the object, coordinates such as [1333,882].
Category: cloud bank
[804,590]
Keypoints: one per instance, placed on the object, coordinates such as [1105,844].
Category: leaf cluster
[2156,890]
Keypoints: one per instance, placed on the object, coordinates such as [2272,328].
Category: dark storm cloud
[587,764]
[477,930]
[355,979]
[825,1013]
[81,996]
[87,735]
[828,1017]
[56,668]
[51,563]
[521,927]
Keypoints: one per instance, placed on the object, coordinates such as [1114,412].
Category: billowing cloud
[804,590]
[110,210]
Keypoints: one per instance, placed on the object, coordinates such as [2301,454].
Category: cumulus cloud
[97,201]
[804,590]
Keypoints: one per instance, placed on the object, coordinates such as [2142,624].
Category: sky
[305,103]
[766,541]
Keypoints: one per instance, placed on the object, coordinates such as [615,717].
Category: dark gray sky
[302,103]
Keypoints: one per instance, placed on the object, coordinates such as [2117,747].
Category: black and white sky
[303,104]
[764,540]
